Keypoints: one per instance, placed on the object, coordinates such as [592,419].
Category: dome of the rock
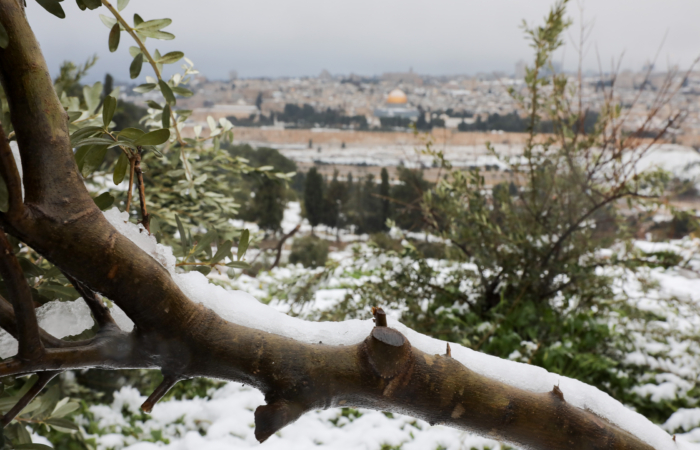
[397,97]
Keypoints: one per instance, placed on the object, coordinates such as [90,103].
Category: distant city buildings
[444,101]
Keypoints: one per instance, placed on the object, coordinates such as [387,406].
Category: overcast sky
[368,37]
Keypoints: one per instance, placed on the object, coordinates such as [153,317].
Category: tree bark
[59,220]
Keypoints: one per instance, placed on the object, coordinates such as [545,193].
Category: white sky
[302,37]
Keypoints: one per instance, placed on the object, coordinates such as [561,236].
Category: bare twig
[145,218]
[280,244]
[101,313]
[130,190]
[168,382]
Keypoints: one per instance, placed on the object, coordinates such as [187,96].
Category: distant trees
[364,205]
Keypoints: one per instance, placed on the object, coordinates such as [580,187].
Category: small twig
[30,345]
[9,173]
[168,382]
[101,313]
[145,218]
[44,378]
[132,161]
[280,244]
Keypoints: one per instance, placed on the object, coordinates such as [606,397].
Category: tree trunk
[59,219]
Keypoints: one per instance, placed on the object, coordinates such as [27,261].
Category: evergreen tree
[384,193]
[313,197]
[335,200]
[268,204]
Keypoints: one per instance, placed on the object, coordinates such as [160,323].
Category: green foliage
[313,197]
[48,412]
[310,251]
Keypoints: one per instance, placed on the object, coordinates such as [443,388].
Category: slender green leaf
[83,133]
[182,91]
[74,115]
[92,4]
[137,20]
[114,35]
[107,21]
[156,24]
[167,92]
[63,292]
[32,446]
[238,265]
[154,105]
[156,137]
[171,57]
[93,159]
[131,133]
[52,6]
[4,38]
[155,34]
[183,235]
[222,251]
[104,200]
[166,116]
[120,168]
[63,425]
[135,67]
[107,143]
[65,409]
[204,270]
[133,51]
[121,4]
[108,107]
[143,88]
[81,5]
[205,241]
[92,96]
[243,243]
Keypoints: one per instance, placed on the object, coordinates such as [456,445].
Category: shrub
[310,251]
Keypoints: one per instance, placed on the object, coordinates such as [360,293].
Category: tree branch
[145,218]
[30,345]
[9,324]
[280,244]
[10,174]
[99,311]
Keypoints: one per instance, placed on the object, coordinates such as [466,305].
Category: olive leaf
[114,35]
[53,6]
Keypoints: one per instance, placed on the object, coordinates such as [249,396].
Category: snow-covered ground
[225,420]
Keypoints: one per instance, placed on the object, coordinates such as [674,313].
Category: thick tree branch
[30,345]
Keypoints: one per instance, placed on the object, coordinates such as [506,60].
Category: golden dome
[397,97]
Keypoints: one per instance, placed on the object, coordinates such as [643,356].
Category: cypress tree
[384,197]
[313,197]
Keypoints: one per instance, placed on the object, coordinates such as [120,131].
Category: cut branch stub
[273,417]
[388,351]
